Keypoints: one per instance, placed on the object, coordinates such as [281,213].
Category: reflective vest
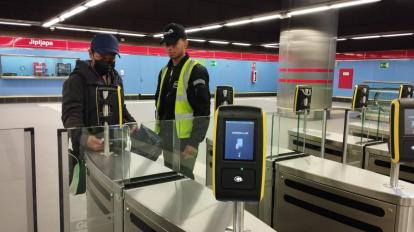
[183,110]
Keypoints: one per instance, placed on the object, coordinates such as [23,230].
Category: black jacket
[198,94]
[79,107]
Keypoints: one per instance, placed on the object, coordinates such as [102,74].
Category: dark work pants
[173,146]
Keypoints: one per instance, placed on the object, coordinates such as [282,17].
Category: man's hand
[189,152]
[133,129]
[94,143]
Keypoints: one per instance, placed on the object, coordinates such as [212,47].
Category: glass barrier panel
[288,128]
[93,173]
[18,186]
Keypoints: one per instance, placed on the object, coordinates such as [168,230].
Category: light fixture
[73,12]
[193,30]
[71,29]
[367,37]
[104,32]
[94,3]
[197,40]
[397,35]
[270,44]
[51,22]
[308,11]
[266,18]
[237,23]
[212,27]
[340,39]
[242,44]
[158,35]
[218,42]
[352,3]
[15,23]
[132,34]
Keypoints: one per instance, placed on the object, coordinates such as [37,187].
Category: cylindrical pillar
[307,55]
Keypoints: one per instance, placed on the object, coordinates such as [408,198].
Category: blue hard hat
[105,44]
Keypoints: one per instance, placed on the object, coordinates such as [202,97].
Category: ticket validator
[224,96]
[406,91]
[360,97]
[401,142]
[303,97]
[239,150]
[359,102]
[107,112]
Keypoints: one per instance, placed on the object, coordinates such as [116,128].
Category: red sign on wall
[6,41]
[346,78]
[40,43]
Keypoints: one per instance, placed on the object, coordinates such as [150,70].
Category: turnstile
[333,145]
[377,159]
[374,130]
[106,179]
[315,194]
[264,209]
[182,205]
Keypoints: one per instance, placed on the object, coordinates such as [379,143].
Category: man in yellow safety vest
[182,102]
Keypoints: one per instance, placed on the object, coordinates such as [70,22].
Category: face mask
[103,67]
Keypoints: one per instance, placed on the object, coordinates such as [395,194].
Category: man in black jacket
[182,101]
[80,103]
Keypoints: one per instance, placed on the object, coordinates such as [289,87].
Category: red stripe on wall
[78,45]
[228,55]
[200,53]
[130,49]
[253,56]
[303,70]
[272,57]
[6,41]
[9,41]
[305,81]
[380,55]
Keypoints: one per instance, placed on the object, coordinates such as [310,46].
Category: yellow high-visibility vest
[183,110]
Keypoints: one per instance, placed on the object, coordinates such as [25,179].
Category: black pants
[173,148]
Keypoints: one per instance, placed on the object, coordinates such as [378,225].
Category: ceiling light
[193,30]
[131,34]
[270,46]
[308,11]
[211,27]
[158,35]
[367,37]
[218,42]
[104,32]
[71,29]
[15,23]
[237,23]
[340,39]
[94,3]
[266,18]
[241,44]
[71,13]
[352,3]
[197,40]
[51,22]
[396,35]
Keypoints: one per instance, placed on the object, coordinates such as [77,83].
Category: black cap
[105,44]
[172,33]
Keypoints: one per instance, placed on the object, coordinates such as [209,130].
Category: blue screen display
[239,140]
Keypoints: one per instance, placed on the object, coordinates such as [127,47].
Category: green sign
[384,65]
[213,63]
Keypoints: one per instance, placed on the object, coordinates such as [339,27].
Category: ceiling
[150,16]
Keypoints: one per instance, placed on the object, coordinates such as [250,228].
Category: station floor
[45,118]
